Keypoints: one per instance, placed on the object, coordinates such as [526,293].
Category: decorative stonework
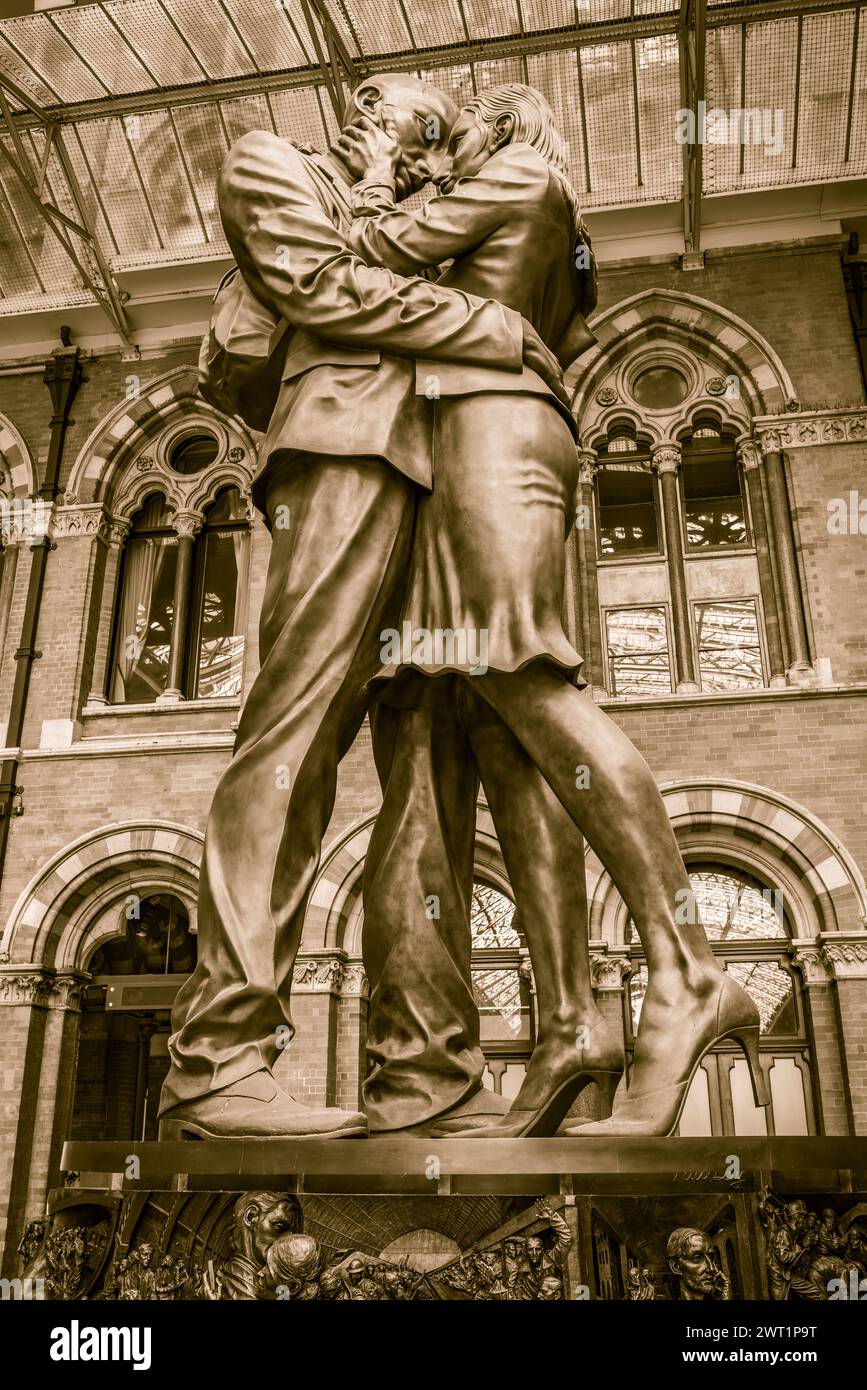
[846,956]
[33,988]
[88,520]
[606,395]
[716,386]
[317,976]
[749,454]
[810,960]
[844,427]
[666,459]
[587,467]
[608,972]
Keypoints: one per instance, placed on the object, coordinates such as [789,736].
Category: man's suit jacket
[349,380]
[507,231]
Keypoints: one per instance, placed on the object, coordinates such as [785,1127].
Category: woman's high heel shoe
[601,1062]
[658,1111]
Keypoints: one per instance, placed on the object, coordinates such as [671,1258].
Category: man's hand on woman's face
[370,151]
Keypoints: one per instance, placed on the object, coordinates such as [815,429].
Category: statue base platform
[390,1219]
[471,1167]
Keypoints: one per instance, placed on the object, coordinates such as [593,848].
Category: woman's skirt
[485,587]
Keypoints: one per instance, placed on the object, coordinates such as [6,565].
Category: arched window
[145,606]
[181,605]
[122,1057]
[501,985]
[219,594]
[746,924]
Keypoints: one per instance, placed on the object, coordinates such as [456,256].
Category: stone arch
[71,905]
[763,833]
[133,422]
[687,327]
[334,912]
[17,474]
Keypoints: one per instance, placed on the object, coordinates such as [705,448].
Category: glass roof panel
[658,73]
[607,77]
[22,73]
[380,25]
[53,58]
[241,114]
[551,14]
[269,34]
[212,38]
[299,117]
[101,43]
[108,146]
[858,125]
[153,35]
[825,71]
[203,140]
[50,266]
[436,23]
[488,19]
[556,74]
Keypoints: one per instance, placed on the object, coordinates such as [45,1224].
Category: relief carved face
[696,1267]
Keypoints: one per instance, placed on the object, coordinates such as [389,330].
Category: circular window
[192,453]
[659,388]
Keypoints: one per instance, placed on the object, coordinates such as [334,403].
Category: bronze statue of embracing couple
[418,475]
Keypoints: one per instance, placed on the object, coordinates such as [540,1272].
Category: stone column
[38,1042]
[589,621]
[187,525]
[824,1035]
[99,692]
[797,648]
[9,546]
[750,457]
[666,459]
[845,954]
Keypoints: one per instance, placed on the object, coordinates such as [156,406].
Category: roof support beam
[338,63]
[87,258]
[691,42]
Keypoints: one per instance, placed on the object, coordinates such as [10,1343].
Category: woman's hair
[534,126]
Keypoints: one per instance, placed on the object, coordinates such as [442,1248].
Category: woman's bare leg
[608,789]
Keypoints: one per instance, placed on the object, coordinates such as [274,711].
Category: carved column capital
[666,458]
[608,970]
[749,453]
[187,523]
[587,467]
[119,528]
[31,985]
[809,958]
[770,441]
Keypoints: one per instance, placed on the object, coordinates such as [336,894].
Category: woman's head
[507,115]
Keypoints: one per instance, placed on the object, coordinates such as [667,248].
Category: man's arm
[451,225]
[296,262]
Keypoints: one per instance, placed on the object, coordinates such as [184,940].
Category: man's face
[145,1254]
[421,126]
[512,1249]
[696,1267]
[355,1271]
[534,1250]
[269,1224]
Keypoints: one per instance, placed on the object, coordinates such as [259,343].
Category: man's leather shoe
[256,1108]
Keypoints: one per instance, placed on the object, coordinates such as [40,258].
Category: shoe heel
[606,1084]
[749,1041]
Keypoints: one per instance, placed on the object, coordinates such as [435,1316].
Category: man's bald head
[417,114]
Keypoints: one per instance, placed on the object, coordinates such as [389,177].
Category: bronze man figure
[347,449]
